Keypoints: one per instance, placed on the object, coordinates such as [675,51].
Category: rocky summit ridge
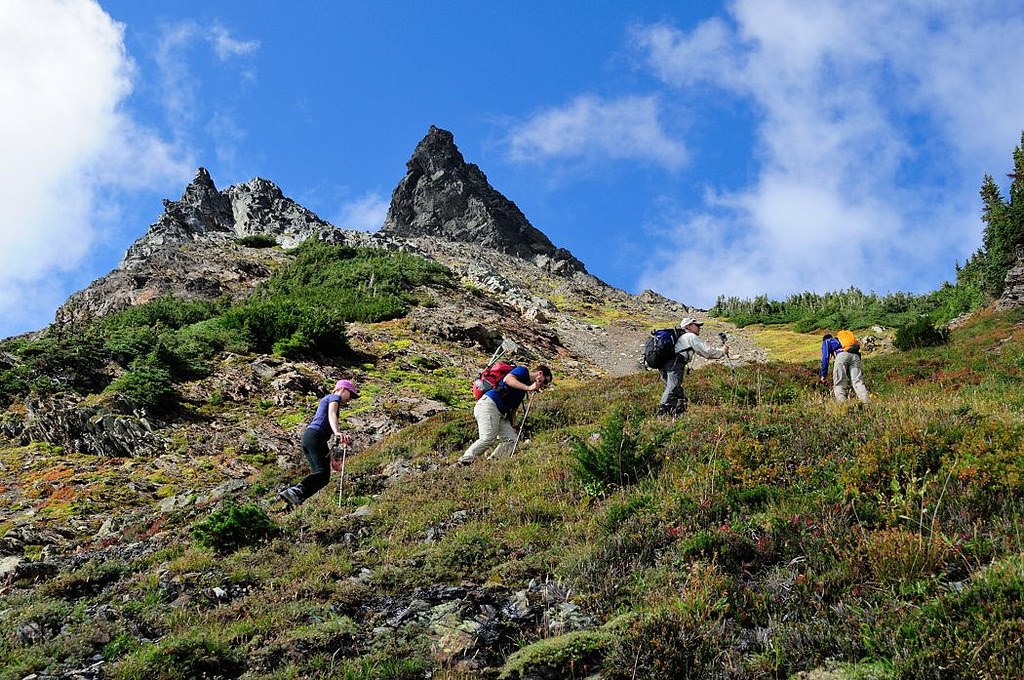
[443,209]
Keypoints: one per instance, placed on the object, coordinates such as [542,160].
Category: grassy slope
[776,533]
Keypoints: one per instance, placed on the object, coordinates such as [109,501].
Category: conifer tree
[1004,224]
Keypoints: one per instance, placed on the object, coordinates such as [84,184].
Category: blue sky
[698,149]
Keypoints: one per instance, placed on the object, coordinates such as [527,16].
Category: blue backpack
[661,347]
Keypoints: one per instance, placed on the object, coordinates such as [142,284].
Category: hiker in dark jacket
[315,441]
[848,368]
[495,411]
[673,399]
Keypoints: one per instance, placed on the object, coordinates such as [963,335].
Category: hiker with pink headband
[315,441]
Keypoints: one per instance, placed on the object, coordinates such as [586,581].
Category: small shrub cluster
[232,527]
[898,556]
[301,311]
[150,386]
[571,655]
[181,656]
[918,333]
[614,460]
[975,633]
[257,241]
[290,329]
[666,644]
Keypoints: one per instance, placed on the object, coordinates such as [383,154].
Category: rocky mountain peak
[205,213]
[442,196]
[202,209]
[191,250]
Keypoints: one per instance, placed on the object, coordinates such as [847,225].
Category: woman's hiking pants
[317,452]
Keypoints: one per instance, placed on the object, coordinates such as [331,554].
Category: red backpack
[490,377]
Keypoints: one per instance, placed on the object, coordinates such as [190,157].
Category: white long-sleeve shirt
[692,341]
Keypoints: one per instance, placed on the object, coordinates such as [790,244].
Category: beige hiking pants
[493,425]
[848,369]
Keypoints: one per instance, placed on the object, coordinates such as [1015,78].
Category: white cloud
[592,128]
[366,213]
[64,74]
[177,85]
[874,124]
[180,86]
[225,46]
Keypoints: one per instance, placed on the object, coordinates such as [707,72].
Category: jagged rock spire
[443,196]
[202,208]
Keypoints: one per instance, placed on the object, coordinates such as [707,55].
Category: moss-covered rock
[570,655]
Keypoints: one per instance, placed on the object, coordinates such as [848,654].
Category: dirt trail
[617,348]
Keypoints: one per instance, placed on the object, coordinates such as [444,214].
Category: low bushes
[232,527]
[614,458]
[300,312]
[920,332]
[975,633]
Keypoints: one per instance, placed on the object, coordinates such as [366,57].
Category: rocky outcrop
[205,214]
[1013,285]
[445,197]
[191,251]
[89,429]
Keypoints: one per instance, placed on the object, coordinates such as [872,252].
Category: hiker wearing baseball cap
[673,399]
[315,440]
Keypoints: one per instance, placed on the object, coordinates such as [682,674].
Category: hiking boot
[467,459]
[292,496]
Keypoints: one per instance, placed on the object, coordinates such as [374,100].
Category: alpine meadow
[764,530]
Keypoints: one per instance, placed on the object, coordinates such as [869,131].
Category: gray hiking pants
[848,369]
[673,399]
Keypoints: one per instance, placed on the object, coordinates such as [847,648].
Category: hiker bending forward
[673,399]
[495,411]
[315,441]
[848,368]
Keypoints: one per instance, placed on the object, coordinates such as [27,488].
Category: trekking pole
[522,425]
[728,359]
[344,454]
[735,381]
[507,345]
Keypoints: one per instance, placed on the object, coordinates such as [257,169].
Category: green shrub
[232,527]
[165,312]
[130,342]
[359,284]
[613,460]
[290,329]
[670,643]
[920,333]
[471,550]
[193,655]
[55,362]
[150,386]
[257,241]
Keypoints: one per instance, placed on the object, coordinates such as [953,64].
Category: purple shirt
[321,413]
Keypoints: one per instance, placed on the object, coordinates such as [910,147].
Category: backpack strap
[687,353]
